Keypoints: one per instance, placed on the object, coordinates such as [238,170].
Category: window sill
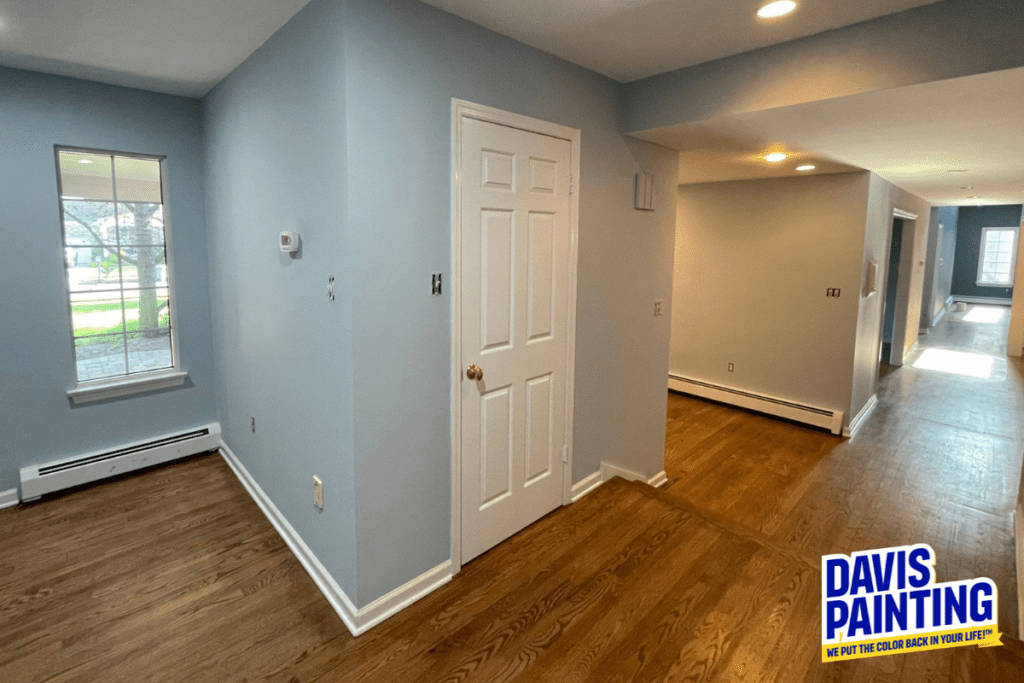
[100,390]
[994,284]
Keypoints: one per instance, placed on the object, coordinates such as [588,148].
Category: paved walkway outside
[106,360]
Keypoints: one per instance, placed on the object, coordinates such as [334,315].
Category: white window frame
[1013,256]
[135,383]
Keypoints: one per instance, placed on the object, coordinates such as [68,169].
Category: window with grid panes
[998,257]
[115,255]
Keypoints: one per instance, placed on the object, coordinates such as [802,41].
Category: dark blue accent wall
[968,247]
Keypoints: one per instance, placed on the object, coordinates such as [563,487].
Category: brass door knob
[475,372]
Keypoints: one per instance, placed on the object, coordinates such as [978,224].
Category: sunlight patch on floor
[985,314]
[956,362]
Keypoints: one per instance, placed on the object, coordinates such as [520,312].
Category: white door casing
[514,262]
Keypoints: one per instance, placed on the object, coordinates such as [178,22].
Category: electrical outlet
[731,367]
[658,307]
[833,292]
[253,425]
[318,492]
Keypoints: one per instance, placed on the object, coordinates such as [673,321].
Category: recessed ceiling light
[957,170]
[967,187]
[85,161]
[805,167]
[775,157]
[776,9]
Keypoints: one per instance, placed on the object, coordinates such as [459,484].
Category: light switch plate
[318,492]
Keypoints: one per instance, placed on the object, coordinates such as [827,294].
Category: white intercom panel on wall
[289,242]
[643,197]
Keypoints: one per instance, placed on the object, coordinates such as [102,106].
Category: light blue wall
[276,159]
[37,422]
[339,128]
[405,62]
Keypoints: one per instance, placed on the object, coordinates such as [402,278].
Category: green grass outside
[113,306]
[130,325]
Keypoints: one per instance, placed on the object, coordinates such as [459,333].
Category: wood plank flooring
[938,462]
[175,575]
[180,578]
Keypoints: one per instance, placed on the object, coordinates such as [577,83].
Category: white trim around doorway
[461,110]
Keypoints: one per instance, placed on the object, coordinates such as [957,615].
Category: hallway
[939,462]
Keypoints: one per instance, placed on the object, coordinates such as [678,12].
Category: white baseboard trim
[607,471]
[658,480]
[863,415]
[983,300]
[586,485]
[9,498]
[831,420]
[403,596]
[942,314]
[356,620]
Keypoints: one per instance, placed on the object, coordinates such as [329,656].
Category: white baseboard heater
[37,480]
[831,420]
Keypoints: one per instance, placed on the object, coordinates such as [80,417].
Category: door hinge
[572,184]
[565,454]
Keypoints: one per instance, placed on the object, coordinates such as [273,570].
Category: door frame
[461,109]
[906,266]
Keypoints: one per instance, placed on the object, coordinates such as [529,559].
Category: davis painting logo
[883,602]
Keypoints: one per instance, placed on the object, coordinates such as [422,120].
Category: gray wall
[339,127]
[883,198]
[939,266]
[37,422]
[947,254]
[754,259]
[893,51]
[970,221]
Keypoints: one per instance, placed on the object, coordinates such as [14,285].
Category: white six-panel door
[514,292]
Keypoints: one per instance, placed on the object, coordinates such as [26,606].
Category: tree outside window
[115,253]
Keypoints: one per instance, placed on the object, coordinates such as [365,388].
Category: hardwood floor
[938,462]
[175,575]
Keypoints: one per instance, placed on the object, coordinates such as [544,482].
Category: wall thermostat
[289,242]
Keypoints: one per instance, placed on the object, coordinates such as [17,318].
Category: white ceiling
[181,47]
[184,47]
[910,136]
[631,39]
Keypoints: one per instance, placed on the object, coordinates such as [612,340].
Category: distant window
[115,256]
[998,257]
